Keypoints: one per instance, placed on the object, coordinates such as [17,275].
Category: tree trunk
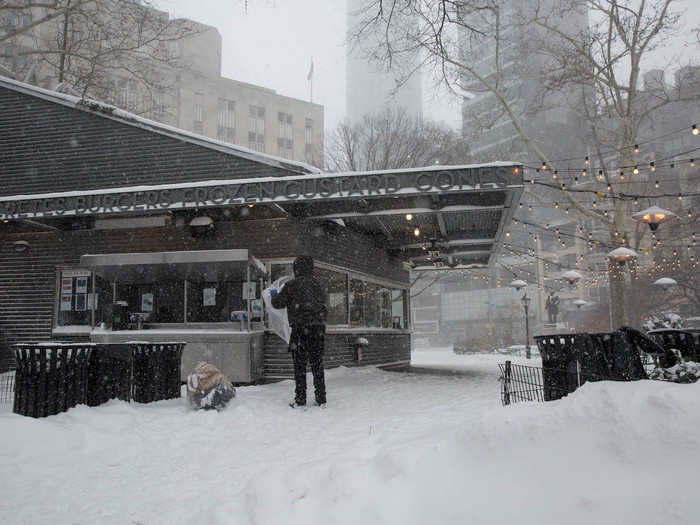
[64,45]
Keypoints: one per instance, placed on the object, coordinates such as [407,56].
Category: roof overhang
[204,265]
[437,217]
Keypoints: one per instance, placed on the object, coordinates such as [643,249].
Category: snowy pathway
[391,448]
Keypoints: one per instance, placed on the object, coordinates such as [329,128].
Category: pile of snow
[686,372]
[391,448]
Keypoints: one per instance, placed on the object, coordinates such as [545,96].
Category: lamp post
[526,304]
[518,285]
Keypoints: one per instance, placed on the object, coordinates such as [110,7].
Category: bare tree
[121,51]
[392,139]
[602,59]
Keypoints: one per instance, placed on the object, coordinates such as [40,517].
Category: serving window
[355,302]
[156,302]
[213,302]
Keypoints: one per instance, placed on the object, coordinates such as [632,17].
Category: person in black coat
[305,301]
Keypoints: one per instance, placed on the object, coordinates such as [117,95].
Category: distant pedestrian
[305,301]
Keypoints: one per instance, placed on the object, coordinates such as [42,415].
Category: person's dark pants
[306,344]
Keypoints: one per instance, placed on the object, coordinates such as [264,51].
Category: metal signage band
[270,190]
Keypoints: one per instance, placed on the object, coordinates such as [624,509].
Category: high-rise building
[369,88]
[505,55]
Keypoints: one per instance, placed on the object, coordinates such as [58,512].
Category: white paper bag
[277,319]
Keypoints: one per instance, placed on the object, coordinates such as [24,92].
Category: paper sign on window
[147,302]
[81,303]
[248,291]
[81,285]
[209,297]
[91,301]
[67,286]
[66,303]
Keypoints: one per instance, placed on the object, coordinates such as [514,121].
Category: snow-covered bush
[667,320]
[688,372]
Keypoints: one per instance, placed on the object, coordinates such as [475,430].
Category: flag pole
[310,78]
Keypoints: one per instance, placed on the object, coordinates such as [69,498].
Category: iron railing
[521,383]
[7,388]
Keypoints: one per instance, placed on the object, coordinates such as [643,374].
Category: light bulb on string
[656,184]
[584,172]
[694,130]
[555,174]
[544,165]
[636,148]
[652,167]
[636,170]
[586,161]
[692,163]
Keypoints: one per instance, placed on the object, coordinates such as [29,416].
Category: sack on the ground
[208,388]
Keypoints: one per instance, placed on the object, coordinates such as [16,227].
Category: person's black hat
[303,265]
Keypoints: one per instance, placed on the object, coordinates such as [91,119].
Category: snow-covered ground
[391,448]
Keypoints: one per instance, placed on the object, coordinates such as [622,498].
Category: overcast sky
[273,43]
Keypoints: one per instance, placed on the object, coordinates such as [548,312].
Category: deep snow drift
[391,448]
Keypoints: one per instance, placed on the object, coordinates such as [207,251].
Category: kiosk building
[116,228]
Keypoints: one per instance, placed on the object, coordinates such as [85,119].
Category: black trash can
[156,371]
[50,377]
[109,373]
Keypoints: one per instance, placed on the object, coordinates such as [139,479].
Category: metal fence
[520,383]
[7,389]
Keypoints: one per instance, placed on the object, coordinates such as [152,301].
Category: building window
[158,106]
[75,298]
[309,140]
[285,140]
[370,304]
[256,128]
[226,130]
[126,94]
[336,286]
[213,302]
[373,305]
[160,302]
[199,112]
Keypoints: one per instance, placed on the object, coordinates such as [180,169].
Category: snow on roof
[112,112]
[435,167]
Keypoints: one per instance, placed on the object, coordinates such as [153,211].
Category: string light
[586,161]
[695,130]
[692,163]
[636,148]
[636,170]
[584,173]
[544,165]
[555,174]
[652,167]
